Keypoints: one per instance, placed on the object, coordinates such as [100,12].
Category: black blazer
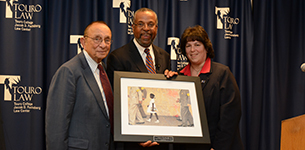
[223,109]
[127,58]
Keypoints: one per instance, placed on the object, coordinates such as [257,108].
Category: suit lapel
[160,61]
[156,53]
[157,58]
[204,79]
[136,57]
[89,77]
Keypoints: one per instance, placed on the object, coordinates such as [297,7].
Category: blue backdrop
[263,47]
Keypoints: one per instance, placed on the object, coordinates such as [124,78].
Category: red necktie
[149,62]
[108,93]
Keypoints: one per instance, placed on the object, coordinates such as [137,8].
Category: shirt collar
[92,64]
[205,69]
[141,48]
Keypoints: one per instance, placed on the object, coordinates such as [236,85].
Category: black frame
[118,137]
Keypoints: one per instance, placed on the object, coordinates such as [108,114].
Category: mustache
[145,34]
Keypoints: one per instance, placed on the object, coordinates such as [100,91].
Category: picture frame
[173,109]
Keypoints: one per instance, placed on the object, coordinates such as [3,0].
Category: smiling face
[195,52]
[97,51]
[196,34]
[145,27]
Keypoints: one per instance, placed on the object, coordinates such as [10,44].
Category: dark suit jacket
[127,58]
[75,115]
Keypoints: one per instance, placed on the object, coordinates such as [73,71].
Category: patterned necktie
[149,62]
[108,93]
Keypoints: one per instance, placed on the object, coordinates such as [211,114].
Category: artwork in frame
[153,107]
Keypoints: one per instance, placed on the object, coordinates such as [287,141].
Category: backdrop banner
[22,73]
[38,36]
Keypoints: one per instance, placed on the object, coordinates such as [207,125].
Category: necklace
[197,71]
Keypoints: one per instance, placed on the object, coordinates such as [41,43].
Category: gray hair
[143,10]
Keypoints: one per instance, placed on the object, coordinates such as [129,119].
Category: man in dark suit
[77,103]
[131,57]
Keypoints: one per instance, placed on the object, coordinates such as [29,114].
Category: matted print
[152,107]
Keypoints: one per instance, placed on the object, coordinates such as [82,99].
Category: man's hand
[170,74]
[149,144]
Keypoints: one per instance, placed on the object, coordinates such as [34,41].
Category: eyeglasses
[98,40]
[142,25]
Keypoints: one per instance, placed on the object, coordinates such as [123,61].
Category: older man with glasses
[79,113]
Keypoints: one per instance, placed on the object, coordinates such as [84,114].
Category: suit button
[106,144]
[107,125]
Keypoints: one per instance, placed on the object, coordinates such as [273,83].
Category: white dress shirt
[143,54]
[96,72]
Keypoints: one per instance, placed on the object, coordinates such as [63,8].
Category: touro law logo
[21,96]
[176,53]
[22,14]
[126,15]
[75,39]
[225,22]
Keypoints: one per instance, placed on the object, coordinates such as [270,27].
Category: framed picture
[152,107]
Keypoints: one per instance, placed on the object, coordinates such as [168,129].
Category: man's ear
[82,41]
